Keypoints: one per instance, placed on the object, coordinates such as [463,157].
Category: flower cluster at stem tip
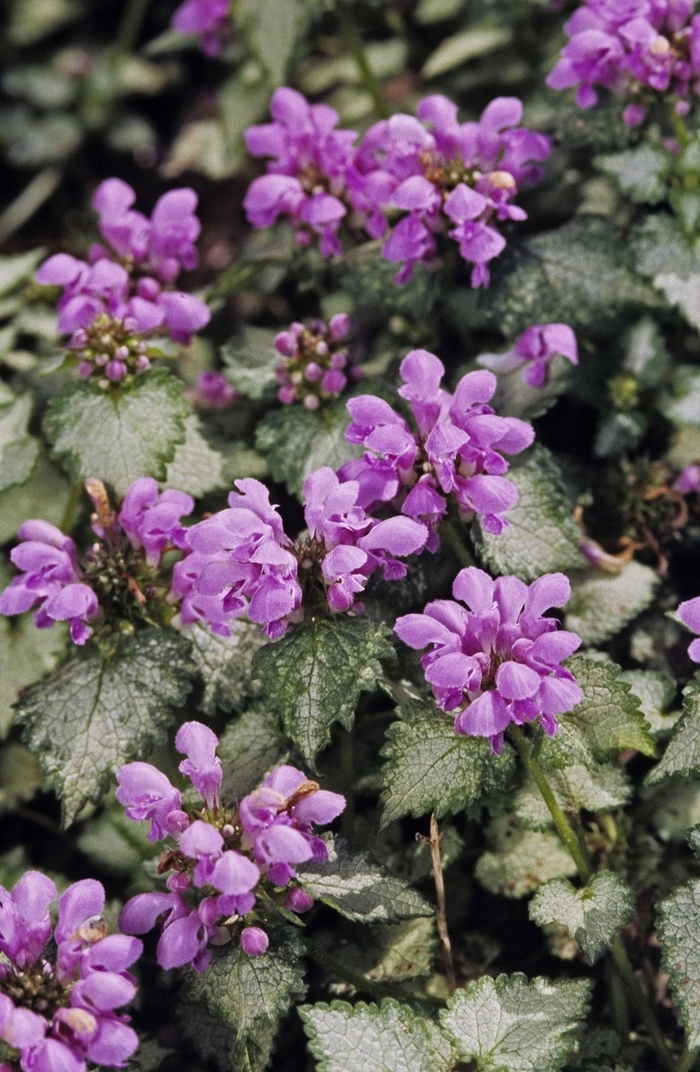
[124,292]
[315,367]
[410,179]
[226,859]
[60,987]
[635,49]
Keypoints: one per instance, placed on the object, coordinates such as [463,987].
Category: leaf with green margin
[678,928]
[314,675]
[655,689]
[515,1024]
[196,467]
[369,280]
[406,950]
[272,28]
[607,721]
[118,437]
[245,993]
[18,268]
[664,254]
[299,441]
[45,495]
[96,713]
[368,1038]
[682,756]
[458,48]
[575,787]
[592,914]
[118,844]
[18,450]
[26,654]
[682,405]
[225,664]
[215,1042]
[251,360]
[358,888]
[576,274]
[520,860]
[541,536]
[431,768]
[602,604]
[249,748]
[640,173]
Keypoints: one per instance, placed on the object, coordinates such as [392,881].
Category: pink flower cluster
[51,575]
[77,986]
[315,368]
[408,180]
[634,48]
[499,660]
[222,853]
[454,452]
[213,391]
[205,19]
[127,280]
[689,614]
[688,482]
[534,351]
[242,562]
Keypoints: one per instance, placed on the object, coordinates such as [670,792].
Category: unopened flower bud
[339,326]
[116,370]
[311,402]
[298,901]
[333,382]
[254,941]
[313,372]
[85,370]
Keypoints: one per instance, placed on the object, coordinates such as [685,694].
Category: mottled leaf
[602,604]
[574,787]
[592,914]
[26,654]
[18,450]
[225,664]
[520,860]
[250,746]
[640,173]
[298,441]
[196,467]
[682,756]
[678,926]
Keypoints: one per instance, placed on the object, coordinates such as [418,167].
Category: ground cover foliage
[515,891]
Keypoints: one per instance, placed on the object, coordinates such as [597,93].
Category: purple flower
[77,989]
[312,369]
[206,19]
[147,794]
[306,178]
[132,297]
[213,391]
[633,48]
[202,765]
[152,520]
[433,167]
[688,482]
[51,577]
[689,614]
[498,661]
[534,350]
[457,448]
[254,941]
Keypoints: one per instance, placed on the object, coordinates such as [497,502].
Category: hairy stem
[434,842]
[355,46]
[453,540]
[579,854]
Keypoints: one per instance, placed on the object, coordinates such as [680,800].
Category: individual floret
[689,614]
[498,661]
[205,19]
[534,351]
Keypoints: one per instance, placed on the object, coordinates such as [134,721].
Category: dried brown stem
[434,842]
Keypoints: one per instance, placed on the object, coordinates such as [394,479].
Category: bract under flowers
[223,852]
[78,986]
[499,660]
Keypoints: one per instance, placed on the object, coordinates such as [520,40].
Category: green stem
[453,540]
[360,982]
[618,1001]
[130,27]
[679,128]
[687,1060]
[579,854]
[354,44]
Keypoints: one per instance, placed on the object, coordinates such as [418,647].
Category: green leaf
[646,354]
[664,254]
[18,450]
[602,604]
[245,993]
[26,653]
[117,844]
[34,19]
[463,46]
[45,495]
[369,1038]
[18,268]
[298,441]
[682,756]
[359,889]
[682,404]
[431,768]
[118,437]
[96,713]
[592,915]
[577,274]
[575,787]
[369,280]
[250,746]
[520,860]
[406,950]
[225,664]
[314,675]
[215,1042]
[678,926]
[640,173]
[251,360]
[541,536]
[515,398]
[272,28]
[607,721]
[512,1024]
[196,467]
[655,690]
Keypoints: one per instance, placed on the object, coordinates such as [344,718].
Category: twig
[29,201]
[434,842]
